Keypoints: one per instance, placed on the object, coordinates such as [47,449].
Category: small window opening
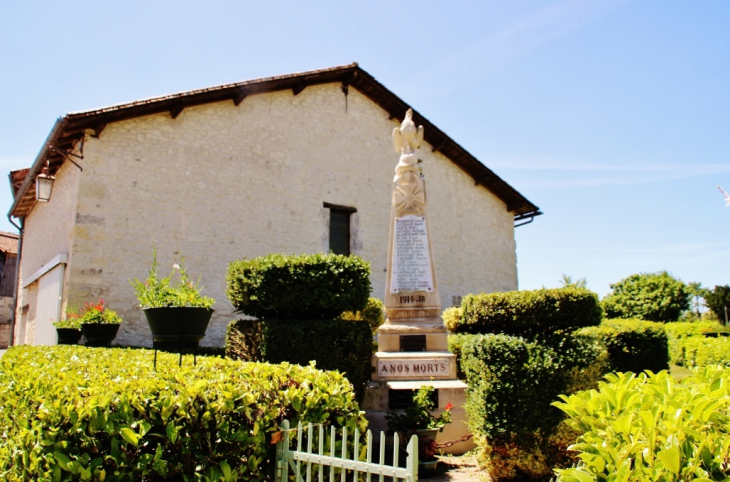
[340,228]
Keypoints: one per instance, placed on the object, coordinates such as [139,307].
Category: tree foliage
[648,296]
[718,300]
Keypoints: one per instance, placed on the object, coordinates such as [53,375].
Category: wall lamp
[44,184]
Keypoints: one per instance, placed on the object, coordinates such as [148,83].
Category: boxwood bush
[511,384]
[342,345]
[77,413]
[303,287]
[528,313]
[700,351]
[632,345]
[652,427]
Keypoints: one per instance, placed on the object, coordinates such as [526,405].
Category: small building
[295,163]
[8,266]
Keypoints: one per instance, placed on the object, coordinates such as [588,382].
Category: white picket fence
[309,464]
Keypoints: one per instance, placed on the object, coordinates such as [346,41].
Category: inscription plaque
[411,267]
[409,368]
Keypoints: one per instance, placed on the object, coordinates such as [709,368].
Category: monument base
[378,398]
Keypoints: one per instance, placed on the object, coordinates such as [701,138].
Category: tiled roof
[8,242]
[70,129]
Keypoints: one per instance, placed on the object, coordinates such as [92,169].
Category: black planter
[177,327]
[68,336]
[99,334]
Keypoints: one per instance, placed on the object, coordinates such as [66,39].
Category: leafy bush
[632,345]
[652,427]
[76,413]
[511,383]
[529,313]
[700,351]
[345,346]
[303,287]
[245,340]
[452,317]
[373,314]
[679,330]
[647,296]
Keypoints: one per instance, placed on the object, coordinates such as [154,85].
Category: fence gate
[322,465]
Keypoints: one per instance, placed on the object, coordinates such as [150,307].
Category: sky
[612,116]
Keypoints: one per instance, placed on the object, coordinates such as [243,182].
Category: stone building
[8,264]
[295,163]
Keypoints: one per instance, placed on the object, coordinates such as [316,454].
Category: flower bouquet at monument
[418,419]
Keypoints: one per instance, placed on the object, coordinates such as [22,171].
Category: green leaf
[62,460]
[130,436]
[670,458]
[171,431]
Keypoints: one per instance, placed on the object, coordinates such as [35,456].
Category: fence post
[282,459]
[412,460]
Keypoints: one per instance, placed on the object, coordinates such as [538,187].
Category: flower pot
[99,334]
[179,327]
[426,442]
[68,336]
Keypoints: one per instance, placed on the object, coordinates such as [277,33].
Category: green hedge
[77,413]
[345,346]
[304,287]
[529,313]
[632,345]
[511,384]
[700,351]
[652,427]
[685,329]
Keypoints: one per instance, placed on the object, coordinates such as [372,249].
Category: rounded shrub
[528,313]
[301,287]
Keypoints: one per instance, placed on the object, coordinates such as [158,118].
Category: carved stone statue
[409,194]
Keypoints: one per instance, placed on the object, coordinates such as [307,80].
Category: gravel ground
[457,469]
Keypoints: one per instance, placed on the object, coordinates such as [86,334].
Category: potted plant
[418,419]
[69,329]
[176,312]
[99,324]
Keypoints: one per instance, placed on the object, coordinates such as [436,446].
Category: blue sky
[612,116]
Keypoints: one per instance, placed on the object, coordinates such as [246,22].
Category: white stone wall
[222,182]
[48,233]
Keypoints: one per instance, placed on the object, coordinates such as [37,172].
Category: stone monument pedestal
[412,343]
[379,394]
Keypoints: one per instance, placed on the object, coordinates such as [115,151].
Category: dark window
[340,228]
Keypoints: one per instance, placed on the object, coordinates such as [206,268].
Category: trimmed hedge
[303,287]
[77,413]
[685,329]
[632,345]
[529,313]
[345,346]
[700,351]
[511,384]
[652,427]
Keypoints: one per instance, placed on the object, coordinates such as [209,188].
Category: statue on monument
[409,193]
